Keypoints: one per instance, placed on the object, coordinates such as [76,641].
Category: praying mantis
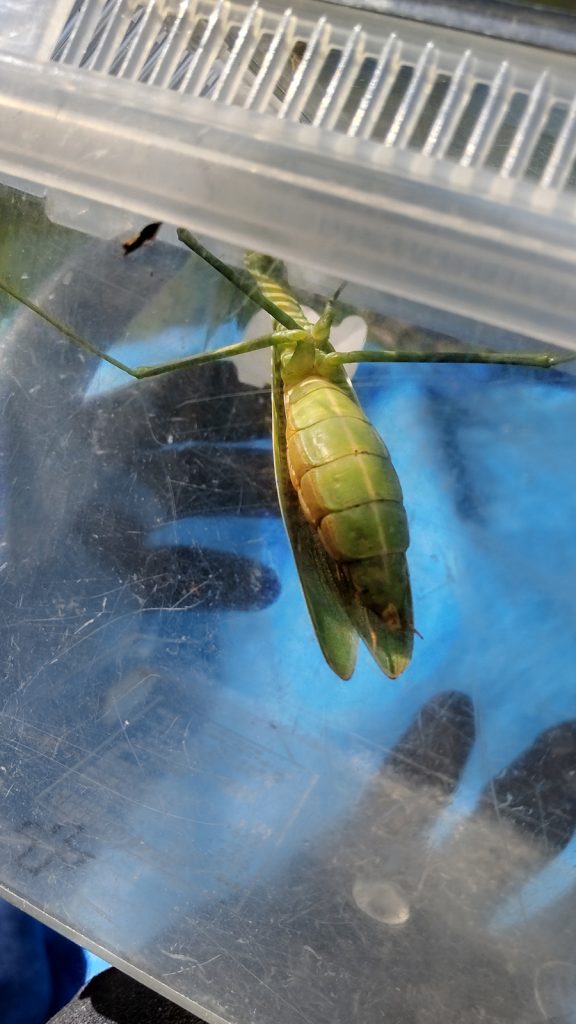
[340,497]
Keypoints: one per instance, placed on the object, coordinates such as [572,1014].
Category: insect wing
[390,643]
[392,650]
[324,591]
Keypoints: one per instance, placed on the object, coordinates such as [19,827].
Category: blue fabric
[40,971]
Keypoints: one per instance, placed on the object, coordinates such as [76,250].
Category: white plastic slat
[444,126]
[527,132]
[137,50]
[489,119]
[377,91]
[306,73]
[559,166]
[207,51]
[110,38]
[235,66]
[86,21]
[337,90]
[173,47]
[280,45]
[414,99]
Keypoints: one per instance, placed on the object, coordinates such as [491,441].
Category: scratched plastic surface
[186,787]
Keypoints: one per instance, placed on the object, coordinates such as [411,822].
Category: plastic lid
[431,165]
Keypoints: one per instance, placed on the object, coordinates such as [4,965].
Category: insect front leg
[250,288]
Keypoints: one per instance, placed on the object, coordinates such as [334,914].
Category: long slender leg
[141,372]
[542,359]
[226,352]
[64,328]
[545,360]
[249,288]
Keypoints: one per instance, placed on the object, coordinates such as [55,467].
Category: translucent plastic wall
[186,786]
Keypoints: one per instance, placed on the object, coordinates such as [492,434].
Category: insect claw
[558,360]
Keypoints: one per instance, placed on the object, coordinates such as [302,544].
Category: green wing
[325,591]
[392,651]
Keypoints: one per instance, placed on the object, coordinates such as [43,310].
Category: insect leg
[64,329]
[141,372]
[545,360]
[226,352]
[248,287]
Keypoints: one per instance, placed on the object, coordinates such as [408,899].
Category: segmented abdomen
[349,491]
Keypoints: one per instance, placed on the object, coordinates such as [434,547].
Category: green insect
[340,497]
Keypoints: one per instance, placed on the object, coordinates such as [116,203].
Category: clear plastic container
[187,788]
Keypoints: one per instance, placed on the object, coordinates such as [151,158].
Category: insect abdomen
[349,491]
